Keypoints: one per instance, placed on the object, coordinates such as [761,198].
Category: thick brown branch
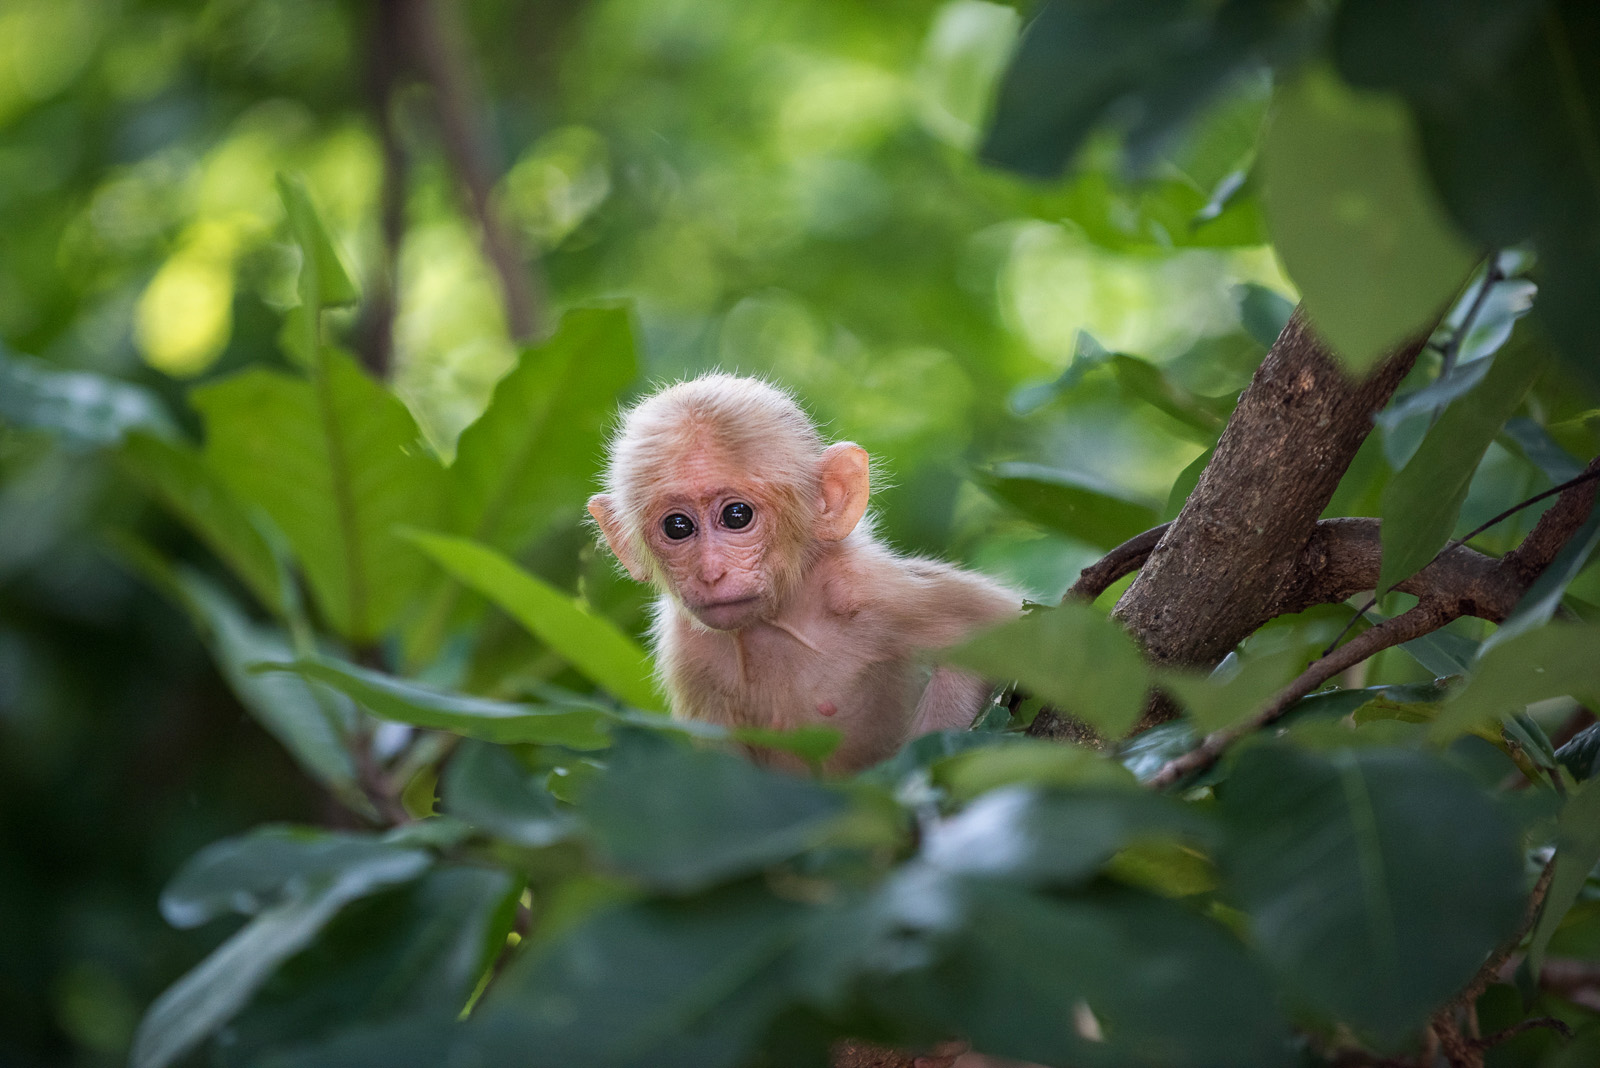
[1237,545]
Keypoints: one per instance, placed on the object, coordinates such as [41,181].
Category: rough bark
[1237,546]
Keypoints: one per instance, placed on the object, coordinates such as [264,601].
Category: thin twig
[444,61]
[1587,476]
[1452,348]
[1391,632]
[1124,559]
[1514,1030]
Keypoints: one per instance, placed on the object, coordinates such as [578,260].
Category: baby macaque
[779,608]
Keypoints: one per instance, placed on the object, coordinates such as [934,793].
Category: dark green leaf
[1422,501]
[1557,660]
[683,819]
[1057,838]
[486,786]
[1355,220]
[1577,852]
[209,995]
[574,724]
[656,983]
[1224,698]
[1151,65]
[1263,312]
[1072,656]
[256,871]
[1069,502]
[1375,881]
[1581,754]
[1507,98]
[414,954]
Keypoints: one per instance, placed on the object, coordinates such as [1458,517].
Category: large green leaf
[1354,218]
[1577,852]
[256,871]
[81,408]
[177,476]
[1557,660]
[1423,499]
[1105,979]
[209,995]
[1235,690]
[1147,67]
[1070,503]
[486,786]
[589,642]
[532,454]
[337,465]
[1073,657]
[575,724]
[683,818]
[654,983]
[1057,838]
[1507,98]
[1375,881]
[412,955]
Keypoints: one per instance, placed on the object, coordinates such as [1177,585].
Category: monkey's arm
[937,604]
[951,701]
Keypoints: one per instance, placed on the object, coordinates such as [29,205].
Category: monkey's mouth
[726,615]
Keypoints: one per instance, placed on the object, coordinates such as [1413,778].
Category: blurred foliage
[298,618]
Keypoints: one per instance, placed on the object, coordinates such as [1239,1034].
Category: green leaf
[1355,220]
[1021,975]
[1577,852]
[1375,881]
[1423,500]
[1075,658]
[591,643]
[414,954]
[82,409]
[1222,699]
[683,819]
[1507,98]
[313,727]
[1263,312]
[324,282]
[337,466]
[1070,503]
[575,725]
[208,996]
[1058,839]
[256,871]
[176,475]
[486,786]
[1557,660]
[1539,604]
[531,455]
[1013,760]
[1148,67]
[654,983]
[811,744]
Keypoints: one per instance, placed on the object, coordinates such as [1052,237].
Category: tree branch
[1127,557]
[444,61]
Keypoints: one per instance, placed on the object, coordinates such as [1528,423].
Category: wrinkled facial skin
[715,568]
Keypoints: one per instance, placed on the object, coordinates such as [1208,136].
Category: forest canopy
[1254,341]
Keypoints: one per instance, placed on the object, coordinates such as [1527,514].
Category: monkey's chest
[776,683]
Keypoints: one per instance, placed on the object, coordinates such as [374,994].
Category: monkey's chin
[729,615]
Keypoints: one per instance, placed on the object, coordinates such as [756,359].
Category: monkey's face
[711,549]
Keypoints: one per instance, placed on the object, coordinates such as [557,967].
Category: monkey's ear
[604,510]
[846,485]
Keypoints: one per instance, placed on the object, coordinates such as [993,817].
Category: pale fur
[845,624]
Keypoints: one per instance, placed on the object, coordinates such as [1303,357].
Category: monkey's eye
[737,515]
[677,526]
